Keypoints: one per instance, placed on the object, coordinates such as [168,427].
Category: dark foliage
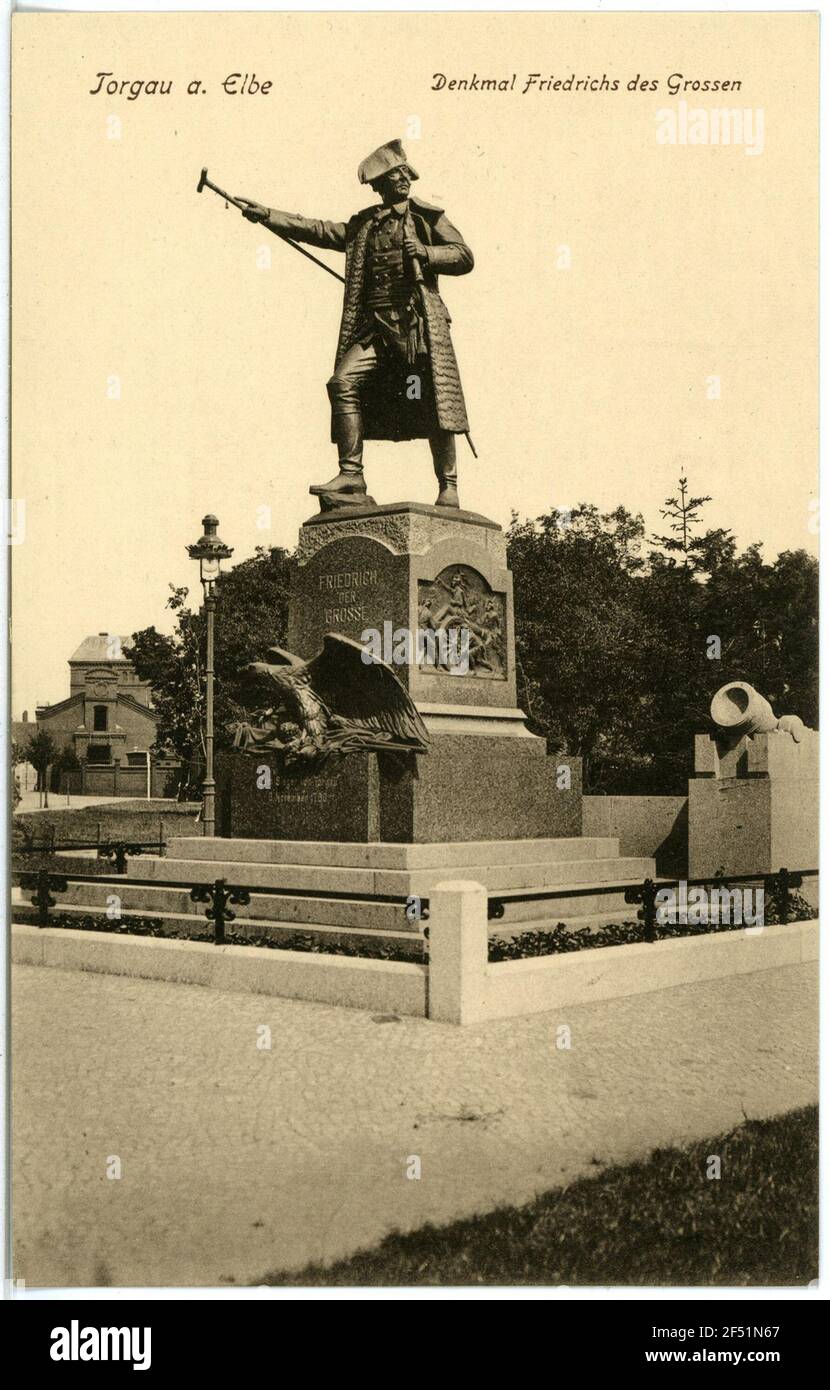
[621,645]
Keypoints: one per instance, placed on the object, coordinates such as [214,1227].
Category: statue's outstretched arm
[330,236]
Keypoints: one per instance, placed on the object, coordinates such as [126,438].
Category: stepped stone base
[500,866]
[445,855]
[307,883]
[312,879]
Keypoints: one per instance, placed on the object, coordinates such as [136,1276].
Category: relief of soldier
[456,606]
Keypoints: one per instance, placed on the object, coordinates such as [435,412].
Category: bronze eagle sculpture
[344,700]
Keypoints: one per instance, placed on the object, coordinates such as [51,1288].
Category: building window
[99,718]
[99,753]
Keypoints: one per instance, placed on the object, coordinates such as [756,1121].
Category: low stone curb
[458,986]
[378,985]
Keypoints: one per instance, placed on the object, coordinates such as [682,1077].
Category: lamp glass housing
[209,569]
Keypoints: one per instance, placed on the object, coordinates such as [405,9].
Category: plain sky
[170,359]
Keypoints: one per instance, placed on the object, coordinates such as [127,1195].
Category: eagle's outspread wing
[362,689]
[279,656]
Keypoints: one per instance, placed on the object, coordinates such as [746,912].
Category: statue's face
[394,186]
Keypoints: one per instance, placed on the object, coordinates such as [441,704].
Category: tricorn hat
[389,156]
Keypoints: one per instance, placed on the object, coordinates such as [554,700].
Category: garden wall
[117,779]
[653,827]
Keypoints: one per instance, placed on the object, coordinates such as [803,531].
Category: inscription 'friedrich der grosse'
[346,584]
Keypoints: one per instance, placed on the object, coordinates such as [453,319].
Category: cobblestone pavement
[236,1160]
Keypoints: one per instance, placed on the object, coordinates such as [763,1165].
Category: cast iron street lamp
[210,551]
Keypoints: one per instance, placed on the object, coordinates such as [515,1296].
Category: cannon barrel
[739,708]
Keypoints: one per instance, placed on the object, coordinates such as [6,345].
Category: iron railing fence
[217,894]
[221,897]
[777,886]
[116,852]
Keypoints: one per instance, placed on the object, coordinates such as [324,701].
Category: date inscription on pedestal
[293,795]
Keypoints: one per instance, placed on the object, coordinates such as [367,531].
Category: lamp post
[210,551]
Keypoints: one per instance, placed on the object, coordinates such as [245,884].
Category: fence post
[649,909]
[458,952]
[645,893]
[779,886]
[43,883]
[218,895]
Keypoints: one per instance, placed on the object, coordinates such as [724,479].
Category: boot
[349,481]
[348,487]
[446,468]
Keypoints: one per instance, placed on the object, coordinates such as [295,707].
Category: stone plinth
[753,806]
[467,787]
[406,569]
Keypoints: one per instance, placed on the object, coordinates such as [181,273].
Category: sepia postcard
[413,536]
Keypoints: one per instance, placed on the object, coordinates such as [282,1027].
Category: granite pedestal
[408,573]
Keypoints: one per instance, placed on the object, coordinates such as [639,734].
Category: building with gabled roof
[108,714]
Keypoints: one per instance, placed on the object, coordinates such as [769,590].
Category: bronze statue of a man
[396,375]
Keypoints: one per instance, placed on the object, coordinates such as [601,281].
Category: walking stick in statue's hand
[204,182]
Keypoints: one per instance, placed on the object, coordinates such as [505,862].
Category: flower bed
[310,942]
[562,938]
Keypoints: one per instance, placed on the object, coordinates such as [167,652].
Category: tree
[583,641]
[683,514]
[41,752]
[766,616]
[620,650]
[66,763]
[251,615]
[19,754]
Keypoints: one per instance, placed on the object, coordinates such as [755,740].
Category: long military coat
[388,412]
